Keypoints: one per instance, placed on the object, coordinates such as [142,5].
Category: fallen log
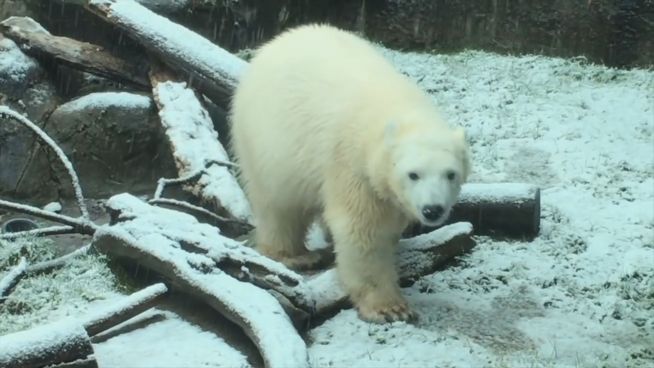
[495,209]
[111,315]
[67,343]
[36,41]
[57,344]
[316,295]
[166,242]
[195,146]
[209,68]
[511,210]
[418,256]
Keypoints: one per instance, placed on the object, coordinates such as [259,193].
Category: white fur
[322,124]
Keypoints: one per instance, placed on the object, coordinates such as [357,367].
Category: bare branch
[6,112]
[80,55]
[195,146]
[10,280]
[163,182]
[46,231]
[186,252]
[124,309]
[47,266]
[81,226]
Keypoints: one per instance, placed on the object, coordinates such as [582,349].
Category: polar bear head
[427,168]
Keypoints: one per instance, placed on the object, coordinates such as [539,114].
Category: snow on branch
[47,266]
[111,315]
[308,296]
[67,343]
[179,248]
[56,344]
[51,230]
[81,226]
[11,278]
[8,113]
[214,71]
[195,145]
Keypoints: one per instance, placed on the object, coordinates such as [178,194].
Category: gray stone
[25,88]
[114,141]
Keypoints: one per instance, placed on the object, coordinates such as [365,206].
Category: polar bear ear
[464,153]
[460,134]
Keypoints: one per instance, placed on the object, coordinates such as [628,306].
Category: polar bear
[323,126]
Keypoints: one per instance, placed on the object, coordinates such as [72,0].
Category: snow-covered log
[317,295]
[128,307]
[36,41]
[59,344]
[213,70]
[179,248]
[195,146]
[496,209]
[417,256]
[66,343]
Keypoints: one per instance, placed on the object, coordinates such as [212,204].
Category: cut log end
[500,210]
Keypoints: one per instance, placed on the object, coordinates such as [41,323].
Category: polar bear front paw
[383,313]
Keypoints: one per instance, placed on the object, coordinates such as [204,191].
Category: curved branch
[80,225]
[10,280]
[11,114]
[231,225]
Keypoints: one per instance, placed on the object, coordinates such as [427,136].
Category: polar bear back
[308,96]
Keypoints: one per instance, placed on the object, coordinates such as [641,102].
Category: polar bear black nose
[433,212]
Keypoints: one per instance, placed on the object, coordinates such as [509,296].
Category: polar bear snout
[433,212]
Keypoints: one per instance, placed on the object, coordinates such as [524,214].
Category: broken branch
[10,280]
[174,251]
[123,310]
[36,41]
[194,143]
[213,70]
[47,266]
[49,345]
[46,231]
[81,225]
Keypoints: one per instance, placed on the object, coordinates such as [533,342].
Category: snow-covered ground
[579,295]
[582,293]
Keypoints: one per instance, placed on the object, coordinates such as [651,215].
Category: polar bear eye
[450,175]
[413,176]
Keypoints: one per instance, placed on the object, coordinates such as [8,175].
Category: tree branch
[34,40]
[81,225]
[213,70]
[6,112]
[10,280]
[46,231]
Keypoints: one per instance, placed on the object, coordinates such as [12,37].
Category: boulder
[24,87]
[114,141]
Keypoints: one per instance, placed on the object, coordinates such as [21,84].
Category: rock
[114,141]
[25,88]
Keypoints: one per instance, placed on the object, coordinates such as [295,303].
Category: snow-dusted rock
[113,140]
[25,88]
